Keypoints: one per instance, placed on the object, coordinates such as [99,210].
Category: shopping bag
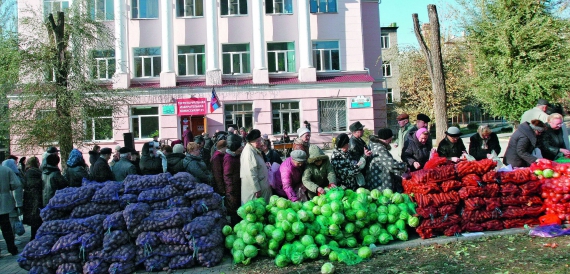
[19,227]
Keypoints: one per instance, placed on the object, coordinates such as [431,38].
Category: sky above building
[400,12]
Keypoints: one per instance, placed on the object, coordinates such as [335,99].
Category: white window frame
[235,113]
[188,57]
[323,6]
[386,69]
[135,4]
[338,127]
[285,55]
[188,8]
[278,113]
[107,60]
[242,55]
[325,53]
[53,6]
[94,129]
[234,7]
[140,124]
[385,41]
[105,13]
[279,6]
[389,96]
[143,66]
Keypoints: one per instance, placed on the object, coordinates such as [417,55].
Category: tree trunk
[434,64]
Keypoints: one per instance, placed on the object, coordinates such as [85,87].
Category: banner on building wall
[191,106]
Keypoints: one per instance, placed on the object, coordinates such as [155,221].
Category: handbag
[19,227]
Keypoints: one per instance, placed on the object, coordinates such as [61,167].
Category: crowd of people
[242,166]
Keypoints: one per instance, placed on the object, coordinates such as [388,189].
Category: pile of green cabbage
[292,232]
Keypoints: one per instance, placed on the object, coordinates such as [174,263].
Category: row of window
[286,116]
[235,59]
[148,9]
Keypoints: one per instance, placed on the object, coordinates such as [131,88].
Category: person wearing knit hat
[253,170]
[303,140]
[217,163]
[404,128]
[346,170]
[358,147]
[416,150]
[451,147]
[290,183]
[174,160]
[319,172]
[234,142]
[384,172]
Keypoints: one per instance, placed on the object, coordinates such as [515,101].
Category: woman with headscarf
[346,170]
[522,143]
[483,143]
[76,168]
[32,196]
[289,180]
[416,150]
[384,172]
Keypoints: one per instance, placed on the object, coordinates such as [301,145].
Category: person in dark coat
[346,170]
[22,165]
[232,180]
[358,147]
[207,151]
[52,178]
[194,164]
[49,151]
[204,153]
[522,144]
[422,121]
[271,155]
[451,147]
[76,168]
[319,173]
[124,167]
[285,138]
[136,160]
[32,196]
[384,172]
[483,143]
[416,150]
[101,169]
[175,159]
[149,164]
[551,142]
[93,156]
[217,162]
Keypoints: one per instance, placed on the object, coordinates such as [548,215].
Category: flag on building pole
[214,102]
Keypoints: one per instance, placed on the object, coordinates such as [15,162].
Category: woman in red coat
[232,179]
[217,162]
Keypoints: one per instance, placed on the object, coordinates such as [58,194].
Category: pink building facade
[273,64]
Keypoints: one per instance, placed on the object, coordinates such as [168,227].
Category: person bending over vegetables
[484,143]
[384,172]
[319,172]
[522,143]
[194,164]
[288,181]
[451,147]
[416,150]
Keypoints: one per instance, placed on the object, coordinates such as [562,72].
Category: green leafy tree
[520,53]
[57,95]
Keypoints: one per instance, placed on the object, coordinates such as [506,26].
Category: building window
[189,8]
[103,10]
[326,55]
[281,57]
[323,6]
[147,62]
[332,115]
[144,9]
[144,121]
[233,7]
[389,96]
[103,66]
[239,114]
[235,58]
[386,69]
[191,60]
[286,116]
[99,127]
[385,41]
[53,6]
[279,6]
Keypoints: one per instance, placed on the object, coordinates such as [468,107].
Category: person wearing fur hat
[194,164]
[174,160]
[52,178]
[289,180]
[232,180]
[271,155]
[101,171]
[217,162]
[347,171]
[451,147]
[416,150]
[124,167]
[253,170]
[319,172]
[384,172]
[303,140]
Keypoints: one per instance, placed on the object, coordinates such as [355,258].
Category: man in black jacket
[101,169]
[451,147]
[358,147]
